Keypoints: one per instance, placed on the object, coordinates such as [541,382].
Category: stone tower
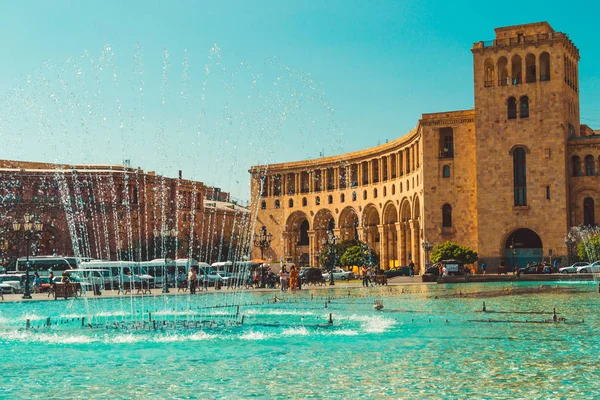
[527,106]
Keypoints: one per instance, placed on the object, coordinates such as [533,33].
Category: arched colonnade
[392,229]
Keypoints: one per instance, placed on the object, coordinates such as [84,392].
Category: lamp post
[570,242]
[513,252]
[330,241]
[29,231]
[427,246]
[168,236]
[263,241]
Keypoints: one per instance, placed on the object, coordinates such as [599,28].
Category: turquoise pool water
[418,346]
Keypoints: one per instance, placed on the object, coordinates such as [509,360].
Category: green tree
[359,255]
[453,251]
[589,249]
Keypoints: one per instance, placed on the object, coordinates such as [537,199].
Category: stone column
[414,239]
[361,234]
[400,242]
[312,247]
[286,245]
[383,247]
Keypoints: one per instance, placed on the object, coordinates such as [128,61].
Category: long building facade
[508,178]
[115,212]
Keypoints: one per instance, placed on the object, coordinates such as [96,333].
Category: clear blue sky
[287,80]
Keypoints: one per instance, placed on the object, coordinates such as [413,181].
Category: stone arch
[296,240]
[404,239]
[521,246]
[577,207]
[348,224]
[389,239]
[370,223]
[323,222]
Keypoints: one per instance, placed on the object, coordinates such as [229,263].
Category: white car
[592,268]
[13,283]
[338,274]
[573,268]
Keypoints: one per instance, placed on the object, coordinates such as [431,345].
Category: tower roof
[523,29]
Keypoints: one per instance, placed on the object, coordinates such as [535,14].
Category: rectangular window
[547,192]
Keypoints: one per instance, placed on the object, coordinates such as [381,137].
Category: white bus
[115,273]
[44,264]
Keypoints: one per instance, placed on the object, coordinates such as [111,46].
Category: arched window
[291,203]
[576,166]
[277,204]
[588,211]
[364,194]
[393,190]
[530,69]
[571,130]
[517,74]
[330,199]
[524,107]
[447,216]
[512,108]
[488,74]
[263,205]
[544,67]
[589,165]
[342,198]
[503,78]
[384,191]
[446,171]
[318,200]
[353,196]
[375,193]
[304,202]
[520,177]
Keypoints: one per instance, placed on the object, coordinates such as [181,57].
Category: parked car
[592,268]
[312,276]
[10,283]
[454,267]
[573,268]
[339,274]
[398,271]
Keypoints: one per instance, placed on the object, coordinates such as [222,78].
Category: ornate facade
[508,178]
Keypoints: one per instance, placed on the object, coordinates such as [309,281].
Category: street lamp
[168,236]
[570,242]
[427,246]
[29,231]
[330,241]
[263,241]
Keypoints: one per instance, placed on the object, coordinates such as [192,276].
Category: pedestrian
[363,273]
[293,278]
[411,267]
[283,277]
[192,280]
[483,267]
[37,283]
[555,265]
[369,275]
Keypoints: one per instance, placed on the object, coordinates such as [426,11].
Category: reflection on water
[417,346]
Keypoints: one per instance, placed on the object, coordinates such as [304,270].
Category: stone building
[507,178]
[116,212]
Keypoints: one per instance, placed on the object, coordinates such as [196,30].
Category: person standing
[293,278]
[363,272]
[483,268]
[283,277]
[192,280]
[411,269]
[37,283]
